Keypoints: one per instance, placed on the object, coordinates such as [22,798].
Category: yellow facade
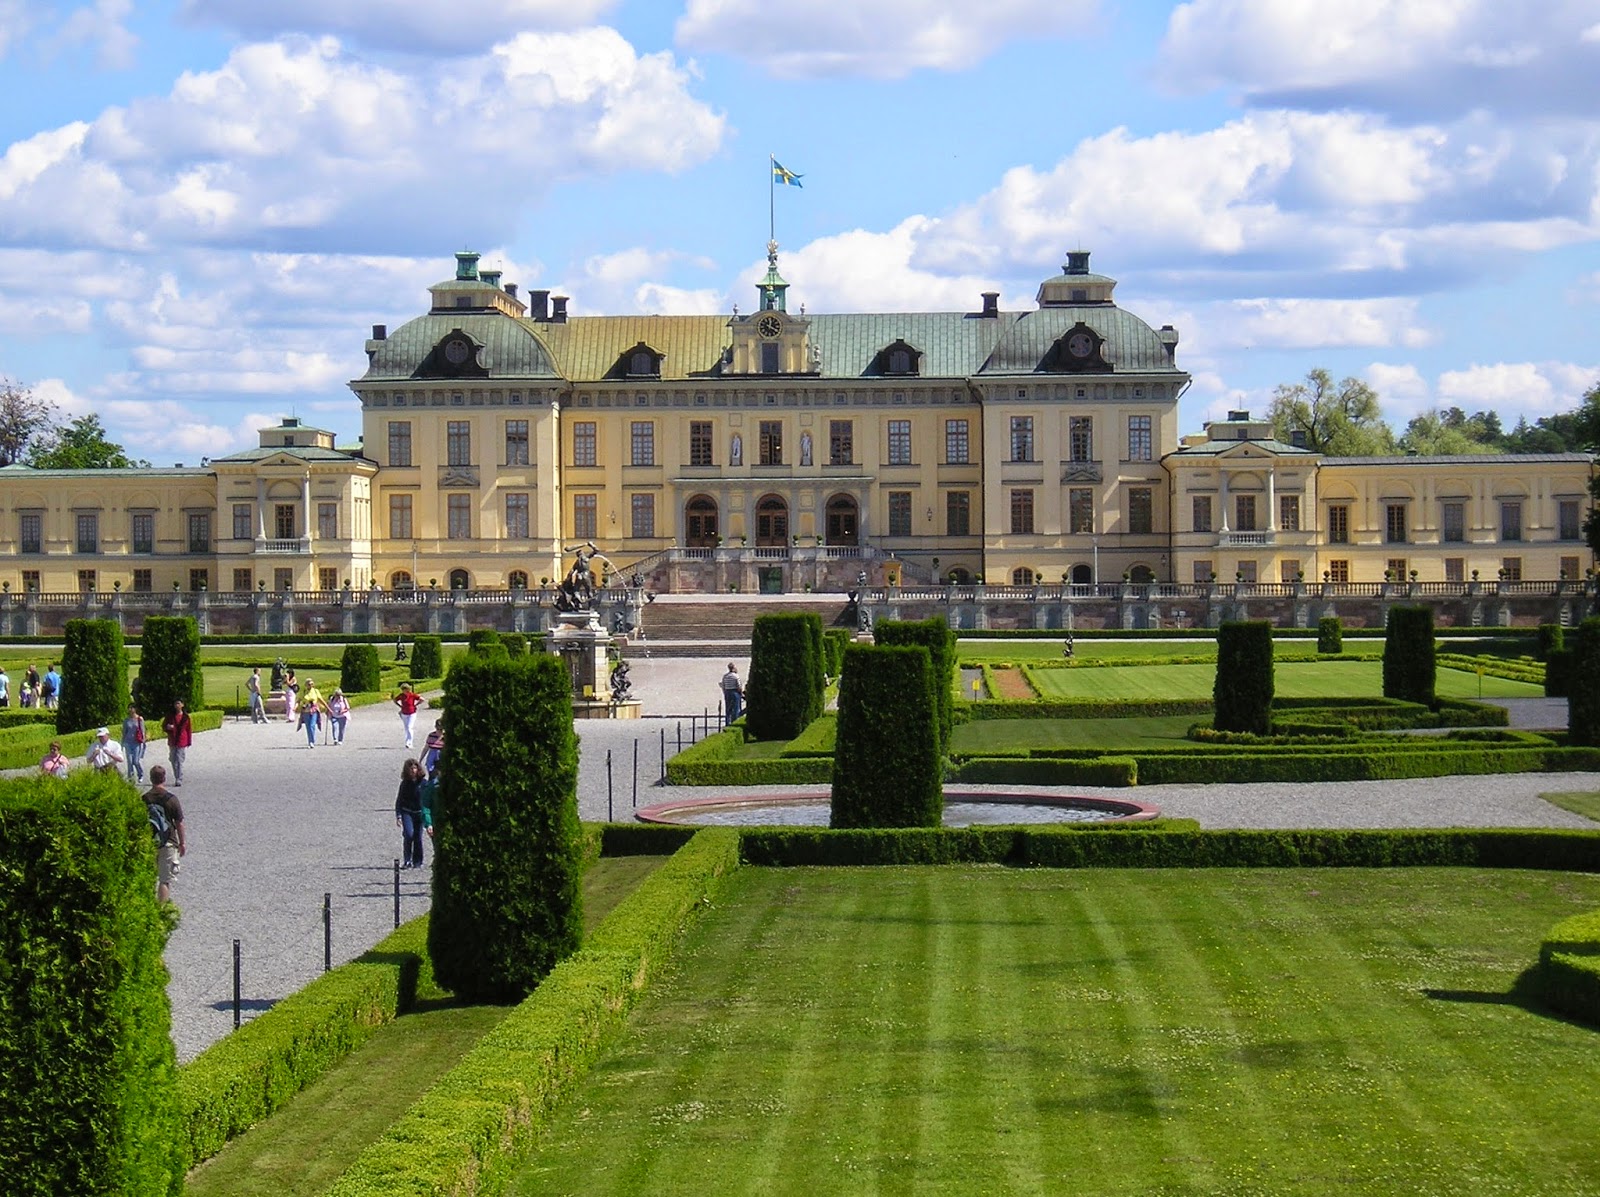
[1026,447]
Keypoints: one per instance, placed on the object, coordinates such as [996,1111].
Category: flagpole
[772,205]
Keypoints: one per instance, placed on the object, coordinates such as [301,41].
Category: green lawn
[1138,650]
[306,1146]
[1311,679]
[1582,803]
[964,1030]
[1112,735]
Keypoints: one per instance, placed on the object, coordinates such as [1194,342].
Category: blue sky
[204,204]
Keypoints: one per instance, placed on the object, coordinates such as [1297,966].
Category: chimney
[380,332]
[1077,262]
[991,305]
[538,305]
[466,266]
[511,290]
[492,277]
[558,309]
[1235,416]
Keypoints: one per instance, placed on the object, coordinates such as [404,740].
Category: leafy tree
[1338,420]
[23,418]
[1437,433]
[81,445]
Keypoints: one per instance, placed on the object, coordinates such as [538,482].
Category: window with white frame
[643,510]
[458,443]
[458,517]
[1139,443]
[516,516]
[900,443]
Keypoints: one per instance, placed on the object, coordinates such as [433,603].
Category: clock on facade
[1080,344]
[769,326]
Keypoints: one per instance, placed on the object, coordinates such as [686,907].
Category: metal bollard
[663,754]
[327,932]
[396,891]
[236,985]
[636,774]
[608,786]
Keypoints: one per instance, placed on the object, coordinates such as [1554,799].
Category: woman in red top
[179,734]
[408,700]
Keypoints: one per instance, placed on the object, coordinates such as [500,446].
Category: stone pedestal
[580,642]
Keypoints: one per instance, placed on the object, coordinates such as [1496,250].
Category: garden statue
[621,687]
[279,670]
[576,592]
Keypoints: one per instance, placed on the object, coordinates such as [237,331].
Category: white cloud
[1533,389]
[1437,56]
[630,280]
[1402,391]
[881,39]
[1315,323]
[428,29]
[102,26]
[15,22]
[296,144]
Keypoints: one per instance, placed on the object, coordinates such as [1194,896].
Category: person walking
[311,710]
[133,743]
[338,714]
[291,693]
[5,688]
[174,844]
[258,710]
[180,734]
[54,763]
[31,678]
[408,812]
[50,688]
[432,747]
[732,694]
[105,754]
[408,700]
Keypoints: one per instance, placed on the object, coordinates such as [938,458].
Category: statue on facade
[805,448]
[576,592]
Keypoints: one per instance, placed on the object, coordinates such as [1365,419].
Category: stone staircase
[699,625]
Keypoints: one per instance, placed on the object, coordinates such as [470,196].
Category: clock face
[457,351]
[1080,344]
[769,326]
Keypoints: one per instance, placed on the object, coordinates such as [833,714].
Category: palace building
[779,450]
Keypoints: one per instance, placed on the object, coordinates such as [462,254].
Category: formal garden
[886,1004]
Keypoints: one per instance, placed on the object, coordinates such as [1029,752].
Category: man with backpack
[50,689]
[166,824]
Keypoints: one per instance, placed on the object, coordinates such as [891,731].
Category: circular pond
[961,809]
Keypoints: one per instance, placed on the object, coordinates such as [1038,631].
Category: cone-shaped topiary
[1583,687]
[485,642]
[88,1096]
[94,672]
[933,634]
[169,665]
[886,766]
[359,670]
[784,692]
[1244,686]
[1330,635]
[508,858]
[1408,655]
[427,657]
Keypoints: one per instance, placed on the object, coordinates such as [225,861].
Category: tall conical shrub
[886,764]
[1409,666]
[94,671]
[1244,686]
[169,665]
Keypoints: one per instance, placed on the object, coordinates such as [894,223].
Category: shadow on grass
[1524,995]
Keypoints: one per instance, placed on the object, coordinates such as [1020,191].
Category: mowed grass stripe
[1310,679]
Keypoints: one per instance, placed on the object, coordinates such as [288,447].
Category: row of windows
[769,443]
[1080,439]
[198,539]
[458,443]
[1395,568]
[1080,510]
[1396,530]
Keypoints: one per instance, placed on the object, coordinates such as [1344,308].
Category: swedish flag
[782,174]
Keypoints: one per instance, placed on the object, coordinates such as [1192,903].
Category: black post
[663,754]
[636,773]
[680,735]
[236,984]
[397,891]
[609,818]
[327,932]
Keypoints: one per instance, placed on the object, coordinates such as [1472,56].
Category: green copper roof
[304,452]
[952,344]
[1130,345]
[511,350]
[588,348]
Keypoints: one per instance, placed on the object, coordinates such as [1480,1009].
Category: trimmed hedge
[427,657]
[1330,635]
[88,1093]
[1567,976]
[886,770]
[712,762]
[1079,708]
[1242,693]
[467,1133]
[516,644]
[834,642]
[1552,639]
[485,642]
[1409,668]
[169,666]
[1558,673]
[819,739]
[360,671]
[784,692]
[240,1080]
[933,634]
[94,669]
[1037,771]
[1177,846]
[507,856]
[1583,696]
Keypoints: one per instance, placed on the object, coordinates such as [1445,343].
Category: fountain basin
[962,808]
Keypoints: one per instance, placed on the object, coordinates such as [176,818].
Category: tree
[1450,432]
[23,418]
[81,445]
[1339,421]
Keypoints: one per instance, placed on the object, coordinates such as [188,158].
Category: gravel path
[273,825]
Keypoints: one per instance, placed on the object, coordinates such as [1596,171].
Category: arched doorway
[459,579]
[843,517]
[518,579]
[1141,575]
[700,522]
[772,522]
[401,580]
[1082,575]
[1022,576]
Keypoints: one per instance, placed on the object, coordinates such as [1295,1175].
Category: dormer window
[900,362]
[642,363]
[899,358]
[639,362]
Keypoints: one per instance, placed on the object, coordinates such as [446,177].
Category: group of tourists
[303,704]
[127,751]
[38,690]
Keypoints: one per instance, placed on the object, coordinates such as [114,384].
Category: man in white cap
[105,753]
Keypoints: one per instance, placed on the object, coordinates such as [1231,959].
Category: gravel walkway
[273,825]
